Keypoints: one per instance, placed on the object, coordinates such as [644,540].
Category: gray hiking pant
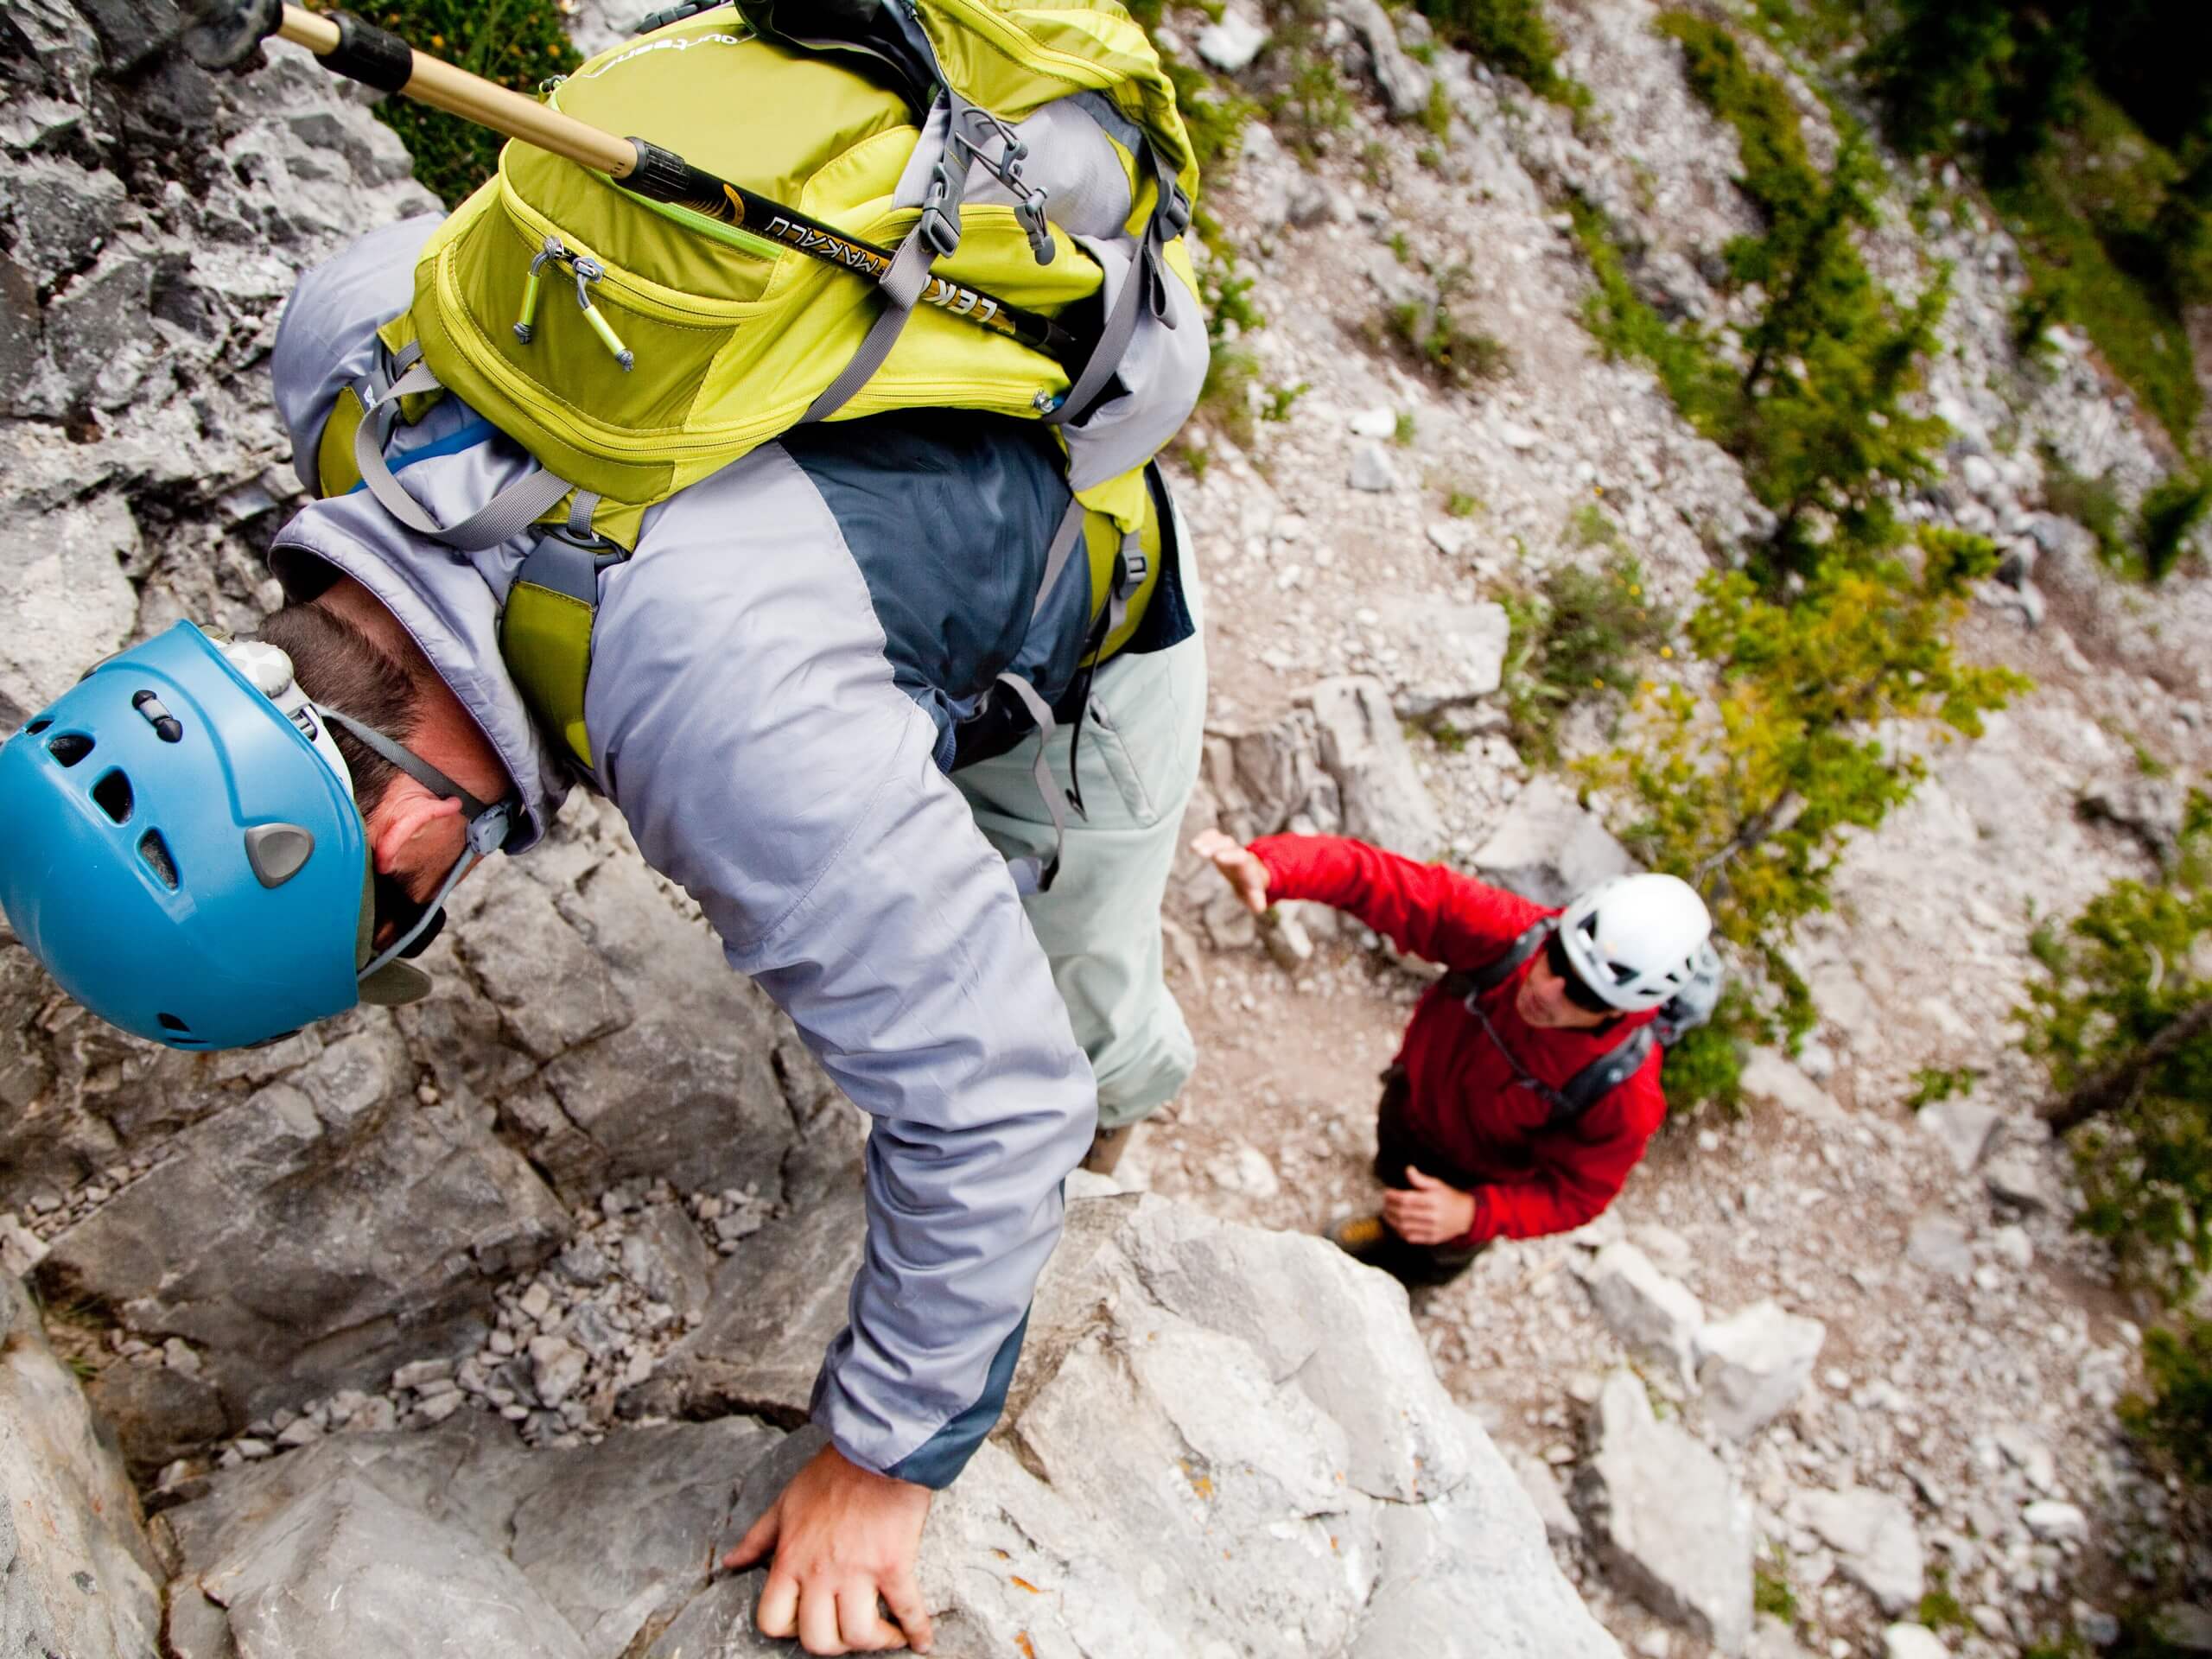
[1100,923]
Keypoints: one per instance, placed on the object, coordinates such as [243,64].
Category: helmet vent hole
[37,725]
[112,793]
[70,747]
[180,1034]
[155,852]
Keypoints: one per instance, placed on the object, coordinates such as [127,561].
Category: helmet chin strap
[487,823]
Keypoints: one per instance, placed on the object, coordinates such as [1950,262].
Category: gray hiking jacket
[777,675]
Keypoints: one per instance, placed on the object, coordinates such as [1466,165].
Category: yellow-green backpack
[1029,151]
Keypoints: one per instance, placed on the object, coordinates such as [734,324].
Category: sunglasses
[1577,992]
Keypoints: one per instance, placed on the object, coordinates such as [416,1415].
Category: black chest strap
[1571,1102]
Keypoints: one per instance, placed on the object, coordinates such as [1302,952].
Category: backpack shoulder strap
[1600,1078]
[1465,984]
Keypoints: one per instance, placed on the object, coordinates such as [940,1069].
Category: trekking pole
[226,32]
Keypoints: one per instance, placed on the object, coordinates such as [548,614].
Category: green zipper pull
[587,272]
[527,324]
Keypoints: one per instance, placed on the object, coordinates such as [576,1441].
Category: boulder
[1362,748]
[1460,658]
[1752,1366]
[1875,1540]
[2055,1522]
[1941,1246]
[1371,470]
[2021,1178]
[1769,1078]
[1547,848]
[1963,1127]
[1271,1406]
[1671,1529]
[77,1576]
[1652,1314]
[1912,1641]
[1405,84]
[2152,810]
[1231,44]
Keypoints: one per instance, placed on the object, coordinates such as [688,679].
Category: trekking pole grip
[363,52]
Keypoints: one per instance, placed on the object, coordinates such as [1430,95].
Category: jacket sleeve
[1576,1175]
[1425,909]
[747,724]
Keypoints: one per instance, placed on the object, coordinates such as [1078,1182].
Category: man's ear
[408,811]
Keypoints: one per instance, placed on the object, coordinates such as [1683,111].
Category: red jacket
[1463,1096]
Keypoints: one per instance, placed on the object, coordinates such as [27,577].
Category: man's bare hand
[1241,867]
[1430,1213]
[842,1536]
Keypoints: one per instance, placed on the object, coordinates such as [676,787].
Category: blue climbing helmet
[180,847]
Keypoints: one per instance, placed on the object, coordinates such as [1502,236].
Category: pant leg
[1395,1146]
[1100,924]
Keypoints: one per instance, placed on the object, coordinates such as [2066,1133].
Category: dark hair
[1578,992]
[341,668]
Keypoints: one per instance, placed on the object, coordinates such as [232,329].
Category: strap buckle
[1174,210]
[937,228]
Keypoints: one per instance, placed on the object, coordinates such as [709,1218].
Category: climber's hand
[1239,866]
[841,1535]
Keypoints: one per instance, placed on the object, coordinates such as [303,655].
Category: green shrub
[517,43]
[2174,1422]
[2171,510]
[1213,115]
[1511,35]
[1433,339]
[1771,1593]
[2093,503]
[2121,984]
[1747,788]
[1312,110]
[1625,325]
[1706,1066]
[1581,635]
[1778,174]
[1931,1083]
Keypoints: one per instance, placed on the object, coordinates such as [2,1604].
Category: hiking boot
[1364,1238]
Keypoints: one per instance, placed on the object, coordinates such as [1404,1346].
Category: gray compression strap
[1168,218]
[935,235]
[510,512]
[1032,873]
[1064,541]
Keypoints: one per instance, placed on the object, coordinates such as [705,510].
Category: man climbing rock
[1527,1084]
[795,700]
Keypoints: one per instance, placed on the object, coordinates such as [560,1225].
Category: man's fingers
[817,1618]
[863,1629]
[755,1543]
[905,1595]
[777,1613]
[1425,1183]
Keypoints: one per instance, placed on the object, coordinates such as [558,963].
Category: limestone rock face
[1192,1393]
[459,1536]
[1361,747]
[1671,1527]
[76,1574]
[303,1235]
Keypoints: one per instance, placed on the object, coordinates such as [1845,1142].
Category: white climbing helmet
[1634,939]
